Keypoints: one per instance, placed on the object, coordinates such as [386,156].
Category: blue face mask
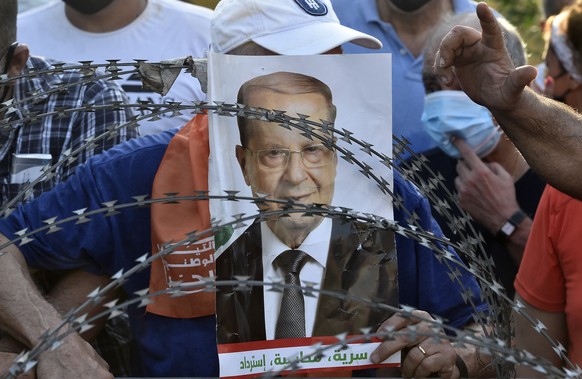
[453,113]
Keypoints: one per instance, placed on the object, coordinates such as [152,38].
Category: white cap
[286,27]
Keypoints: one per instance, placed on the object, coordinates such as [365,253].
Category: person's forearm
[517,241]
[528,338]
[478,364]
[26,314]
[71,291]
[549,135]
[6,360]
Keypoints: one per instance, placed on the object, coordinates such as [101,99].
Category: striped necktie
[291,321]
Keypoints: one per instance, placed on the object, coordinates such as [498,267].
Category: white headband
[563,50]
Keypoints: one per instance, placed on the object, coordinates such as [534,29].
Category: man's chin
[299,222]
[294,225]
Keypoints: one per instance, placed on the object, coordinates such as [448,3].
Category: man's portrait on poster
[329,253]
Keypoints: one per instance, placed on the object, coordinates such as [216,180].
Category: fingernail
[444,80]
[441,62]
[375,358]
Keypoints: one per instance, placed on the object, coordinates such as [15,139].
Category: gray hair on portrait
[251,48]
[8,13]
[513,41]
[283,82]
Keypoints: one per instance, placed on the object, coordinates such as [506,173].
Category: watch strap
[510,225]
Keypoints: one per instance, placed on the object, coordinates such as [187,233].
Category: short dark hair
[8,13]
[290,83]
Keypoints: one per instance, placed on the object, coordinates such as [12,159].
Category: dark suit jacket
[361,263]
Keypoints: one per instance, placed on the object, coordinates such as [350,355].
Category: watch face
[507,228]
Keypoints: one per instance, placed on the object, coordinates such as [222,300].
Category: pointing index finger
[454,47]
[491,31]
[467,153]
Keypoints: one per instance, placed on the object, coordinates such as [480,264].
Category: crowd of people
[484,137]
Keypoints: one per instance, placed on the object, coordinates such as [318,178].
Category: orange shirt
[550,274]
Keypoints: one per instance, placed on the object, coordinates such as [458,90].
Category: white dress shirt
[316,245]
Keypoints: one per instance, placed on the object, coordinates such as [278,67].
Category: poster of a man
[335,254]
[342,260]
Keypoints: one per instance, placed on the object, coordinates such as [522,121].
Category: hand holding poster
[343,263]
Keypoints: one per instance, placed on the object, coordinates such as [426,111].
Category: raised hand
[481,64]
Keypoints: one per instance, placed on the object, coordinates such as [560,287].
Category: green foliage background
[525,15]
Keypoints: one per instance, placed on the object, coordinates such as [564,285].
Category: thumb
[519,79]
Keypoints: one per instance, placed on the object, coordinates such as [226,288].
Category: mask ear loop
[9,54]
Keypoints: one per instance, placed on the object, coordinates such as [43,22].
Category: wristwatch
[510,225]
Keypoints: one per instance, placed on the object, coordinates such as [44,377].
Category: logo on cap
[313,7]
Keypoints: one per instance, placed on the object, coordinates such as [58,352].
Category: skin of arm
[6,360]
[30,315]
[526,338]
[71,291]
[487,193]
[517,241]
[548,133]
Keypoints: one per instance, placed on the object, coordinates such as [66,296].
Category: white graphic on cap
[312,4]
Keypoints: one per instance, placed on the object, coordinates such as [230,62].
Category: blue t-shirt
[187,347]
[407,86]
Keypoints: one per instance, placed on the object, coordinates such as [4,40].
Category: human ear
[18,61]
[241,157]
